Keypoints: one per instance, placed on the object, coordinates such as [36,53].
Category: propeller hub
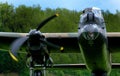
[34,32]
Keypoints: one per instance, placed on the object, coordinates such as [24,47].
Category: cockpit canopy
[92,15]
[95,10]
[87,10]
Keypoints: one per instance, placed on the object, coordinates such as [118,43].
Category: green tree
[6,15]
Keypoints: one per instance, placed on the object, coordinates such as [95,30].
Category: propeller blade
[45,21]
[53,45]
[15,46]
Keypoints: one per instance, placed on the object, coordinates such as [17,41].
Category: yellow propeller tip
[62,48]
[13,57]
[57,14]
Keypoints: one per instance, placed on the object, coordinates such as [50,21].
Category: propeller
[15,46]
[52,45]
[20,41]
[45,21]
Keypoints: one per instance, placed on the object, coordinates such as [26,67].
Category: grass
[9,74]
[81,72]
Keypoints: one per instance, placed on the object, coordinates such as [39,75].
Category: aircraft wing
[114,41]
[74,66]
[67,40]
[70,43]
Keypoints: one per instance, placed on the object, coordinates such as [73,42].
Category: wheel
[37,73]
[99,74]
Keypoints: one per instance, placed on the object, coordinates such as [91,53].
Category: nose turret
[90,32]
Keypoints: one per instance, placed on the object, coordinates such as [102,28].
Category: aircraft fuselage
[93,41]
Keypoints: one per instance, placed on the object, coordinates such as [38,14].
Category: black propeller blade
[45,21]
[15,46]
[52,45]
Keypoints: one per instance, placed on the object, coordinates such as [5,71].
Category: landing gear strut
[38,69]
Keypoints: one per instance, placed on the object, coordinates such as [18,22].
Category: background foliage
[23,18]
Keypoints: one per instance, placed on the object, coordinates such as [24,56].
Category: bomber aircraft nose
[90,32]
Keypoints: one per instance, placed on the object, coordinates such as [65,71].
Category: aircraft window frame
[87,10]
[97,12]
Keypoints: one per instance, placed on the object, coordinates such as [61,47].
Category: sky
[78,5]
